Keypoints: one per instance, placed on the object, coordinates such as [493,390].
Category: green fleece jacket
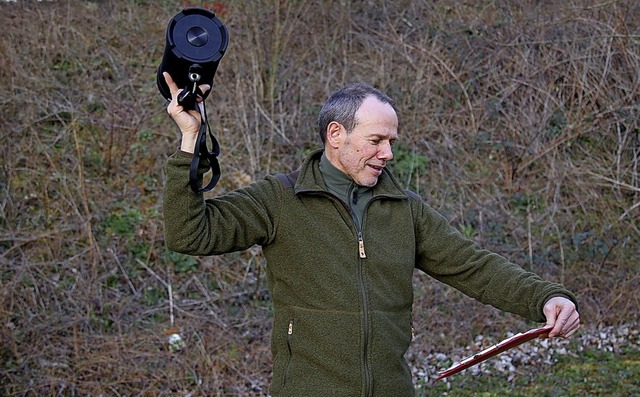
[342,294]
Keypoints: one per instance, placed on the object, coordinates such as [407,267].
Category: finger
[173,87]
[569,320]
[573,330]
[572,325]
[560,323]
[551,313]
[204,88]
[202,92]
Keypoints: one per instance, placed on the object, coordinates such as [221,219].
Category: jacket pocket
[289,354]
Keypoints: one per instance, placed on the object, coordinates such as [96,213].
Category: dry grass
[526,113]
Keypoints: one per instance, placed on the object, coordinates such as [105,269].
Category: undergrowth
[518,121]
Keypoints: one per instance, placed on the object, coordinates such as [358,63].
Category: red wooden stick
[506,344]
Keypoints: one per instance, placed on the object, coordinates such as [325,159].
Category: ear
[335,134]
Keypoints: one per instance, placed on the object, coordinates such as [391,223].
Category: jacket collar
[310,179]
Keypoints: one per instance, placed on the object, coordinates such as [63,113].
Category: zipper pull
[361,246]
[290,331]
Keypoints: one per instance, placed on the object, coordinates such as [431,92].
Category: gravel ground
[538,352]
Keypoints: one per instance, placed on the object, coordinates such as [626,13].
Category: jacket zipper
[368,379]
[365,315]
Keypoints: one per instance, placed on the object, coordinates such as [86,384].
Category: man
[342,239]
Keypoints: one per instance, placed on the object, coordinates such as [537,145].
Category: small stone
[176,343]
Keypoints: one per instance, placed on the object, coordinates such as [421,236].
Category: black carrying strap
[201,151]
[288,180]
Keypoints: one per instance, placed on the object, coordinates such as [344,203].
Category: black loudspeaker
[196,41]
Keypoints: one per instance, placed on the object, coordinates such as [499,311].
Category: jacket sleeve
[232,222]
[445,254]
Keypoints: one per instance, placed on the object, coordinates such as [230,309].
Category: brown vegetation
[519,121]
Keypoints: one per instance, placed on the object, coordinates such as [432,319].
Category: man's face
[364,152]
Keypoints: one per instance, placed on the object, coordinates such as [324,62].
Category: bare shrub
[519,121]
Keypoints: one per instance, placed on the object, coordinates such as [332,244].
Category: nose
[386,152]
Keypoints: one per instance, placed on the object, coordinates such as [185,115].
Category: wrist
[188,143]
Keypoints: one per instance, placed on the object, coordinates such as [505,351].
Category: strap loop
[201,151]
